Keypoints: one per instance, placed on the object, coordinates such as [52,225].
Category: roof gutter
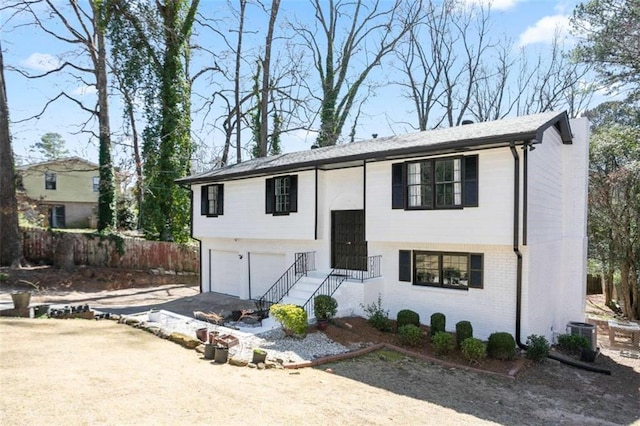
[516,250]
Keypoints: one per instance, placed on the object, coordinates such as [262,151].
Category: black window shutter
[269,195]
[471,181]
[293,193]
[404,262]
[476,271]
[220,199]
[397,186]
[204,202]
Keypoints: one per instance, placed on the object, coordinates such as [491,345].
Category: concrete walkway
[177,298]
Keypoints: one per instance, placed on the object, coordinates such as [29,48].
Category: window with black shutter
[281,195]
[441,269]
[441,183]
[212,200]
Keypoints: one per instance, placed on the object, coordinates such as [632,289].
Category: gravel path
[277,345]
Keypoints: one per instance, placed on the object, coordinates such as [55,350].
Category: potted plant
[259,355]
[324,308]
[22,297]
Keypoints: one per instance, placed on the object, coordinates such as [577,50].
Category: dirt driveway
[101,372]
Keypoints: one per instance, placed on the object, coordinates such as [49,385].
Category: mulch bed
[356,334]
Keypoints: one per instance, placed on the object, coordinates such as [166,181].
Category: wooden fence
[112,252]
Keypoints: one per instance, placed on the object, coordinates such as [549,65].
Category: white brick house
[483,222]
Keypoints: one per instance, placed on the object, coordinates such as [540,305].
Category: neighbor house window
[49,180]
[281,195]
[436,183]
[96,184]
[442,269]
[212,199]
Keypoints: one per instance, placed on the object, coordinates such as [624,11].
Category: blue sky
[529,23]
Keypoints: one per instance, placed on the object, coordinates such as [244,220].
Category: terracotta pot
[202,334]
[322,324]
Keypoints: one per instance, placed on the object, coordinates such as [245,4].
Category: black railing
[359,268]
[303,263]
[343,272]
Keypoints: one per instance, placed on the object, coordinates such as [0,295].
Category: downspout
[516,241]
[516,250]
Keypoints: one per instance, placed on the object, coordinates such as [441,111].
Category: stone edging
[191,343]
[353,354]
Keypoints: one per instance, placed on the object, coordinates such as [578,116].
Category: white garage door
[225,276]
[266,268]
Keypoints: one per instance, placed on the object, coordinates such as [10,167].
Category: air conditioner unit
[584,329]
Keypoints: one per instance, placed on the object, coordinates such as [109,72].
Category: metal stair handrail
[303,263]
[341,273]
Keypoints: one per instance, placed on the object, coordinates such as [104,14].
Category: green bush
[438,323]
[377,317]
[501,346]
[537,348]
[411,335]
[464,330]
[572,343]
[292,318]
[407,316]
[474,350]
[442,343]
[324,306]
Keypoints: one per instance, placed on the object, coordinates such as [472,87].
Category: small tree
[51,146]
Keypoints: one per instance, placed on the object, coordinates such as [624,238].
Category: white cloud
[41,62]
[84,90]
[545,29]
[495,4]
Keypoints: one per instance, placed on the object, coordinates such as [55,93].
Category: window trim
[50,181]
[204,200]
[471,284]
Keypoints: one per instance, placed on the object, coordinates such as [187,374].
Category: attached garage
[224,272]
[265,269]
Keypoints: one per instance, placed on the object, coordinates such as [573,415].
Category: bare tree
[10,238]
[344,61]
[83,29]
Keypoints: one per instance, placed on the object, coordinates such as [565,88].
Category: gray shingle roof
[477,135]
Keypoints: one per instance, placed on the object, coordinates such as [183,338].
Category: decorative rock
[183,340]
[252,365]
[238,362]
[261,366]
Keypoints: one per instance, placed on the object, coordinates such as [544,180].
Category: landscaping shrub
[410,335]
[377,317]
[473,350]
[464,330]
[292,318]
[324,306]
[407,316]
[442,343]
[572,343]
[501,346]
[438,323]
[537,348]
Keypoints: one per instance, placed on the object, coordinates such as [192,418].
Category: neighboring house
[483,222]
[66,190]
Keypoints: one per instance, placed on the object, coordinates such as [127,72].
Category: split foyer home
[65,190]
[483,222]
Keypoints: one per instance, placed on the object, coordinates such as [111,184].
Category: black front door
[348,246]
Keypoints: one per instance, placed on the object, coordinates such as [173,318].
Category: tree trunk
[10,239]
[625,291]
[266,80]
[63,252]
